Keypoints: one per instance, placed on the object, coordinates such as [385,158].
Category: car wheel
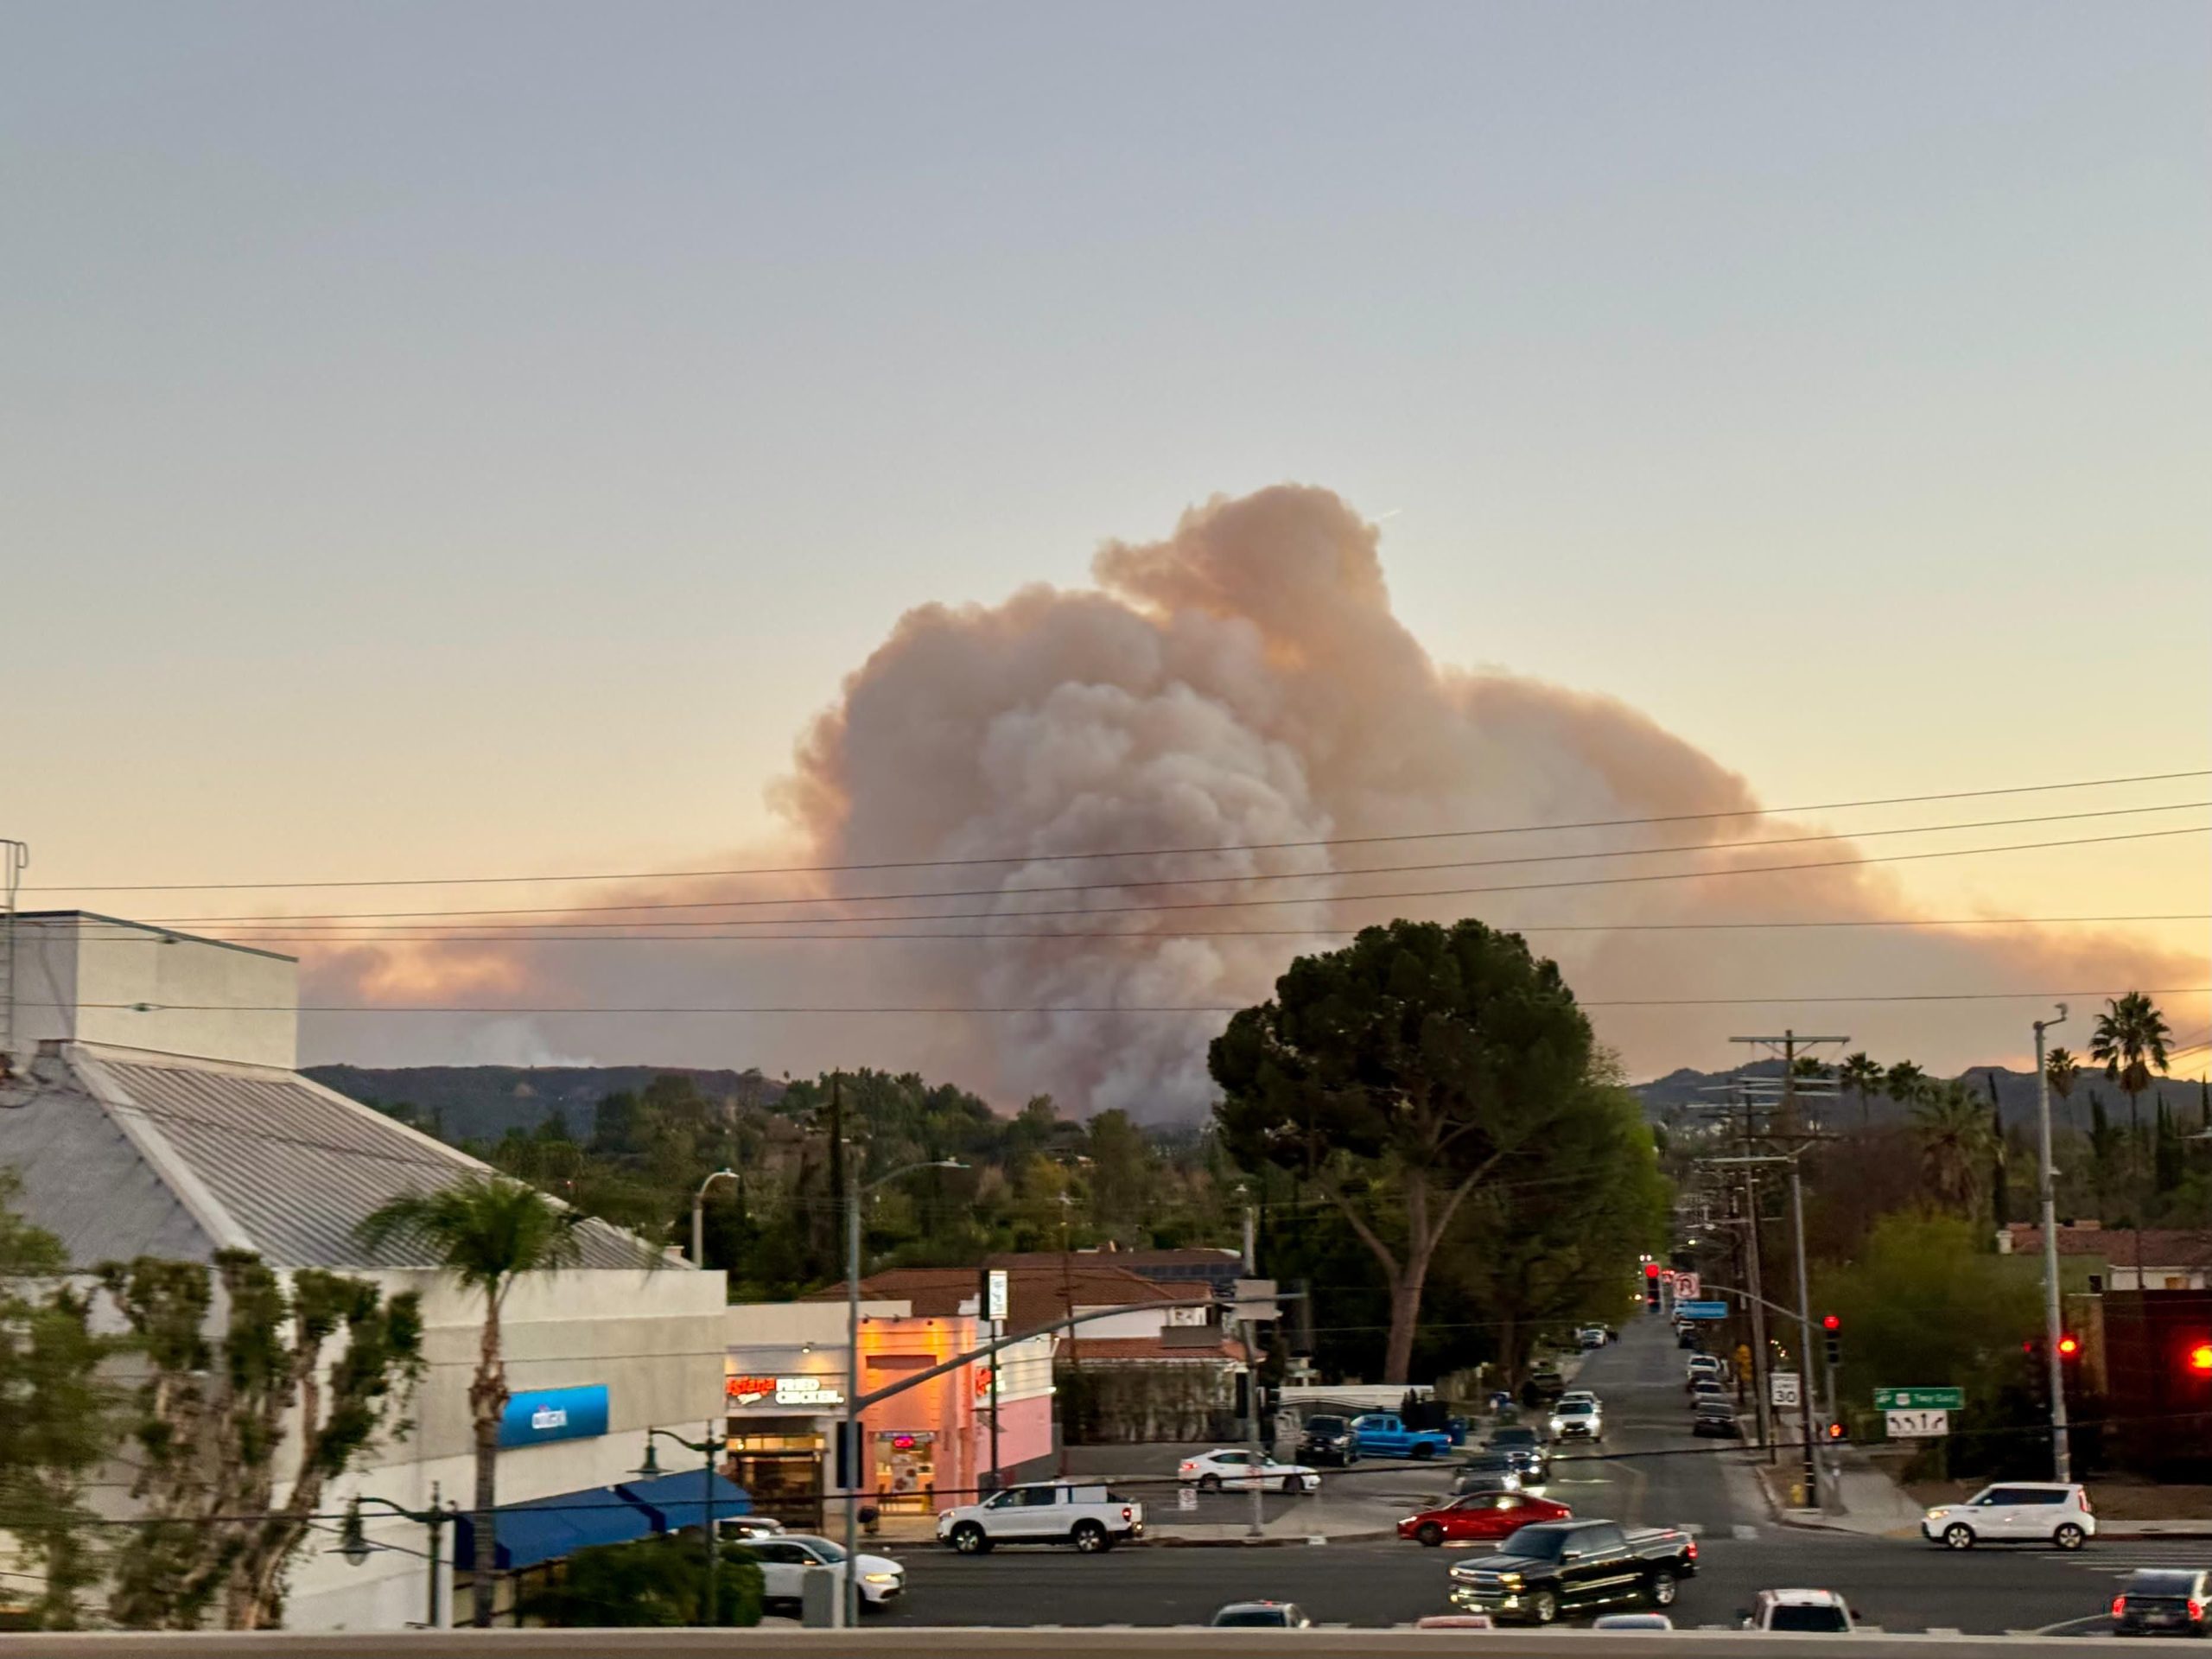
[2069,1536]
[1423,1452]
[969,1539]
[1543,1607]
[1090,1538]
[1209,1483]
[1958,1536]
[1660,1587]
[1431,1536]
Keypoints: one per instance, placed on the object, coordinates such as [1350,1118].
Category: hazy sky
[466,438]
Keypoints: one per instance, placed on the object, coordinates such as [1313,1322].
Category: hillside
[467,1102]
[2016,1096]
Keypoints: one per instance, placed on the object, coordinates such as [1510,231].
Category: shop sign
[906,1440]
[984,1375]
[804,1392]
[536,1416]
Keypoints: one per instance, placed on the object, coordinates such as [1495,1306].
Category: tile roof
[125,1154]
[2162,1247]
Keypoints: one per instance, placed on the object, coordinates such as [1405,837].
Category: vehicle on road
[1706,1388]
[1561,1567]
[1632,1621]
[2017,1512]
[1088,1517]
[1263,1616]
[1591,1336]
[1232,1469]
[1545,1383]
[1572,1395]
[1480,1517]
[1578,1419]
[1703,1365]
[1522,1441]
[1716,1420]
[1329,1439]
[1385,1434]
[1686,1336]
[786,1558]
[2162,1601]
[1814,1612]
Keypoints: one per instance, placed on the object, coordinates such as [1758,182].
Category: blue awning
[546,1528]
[679,1500]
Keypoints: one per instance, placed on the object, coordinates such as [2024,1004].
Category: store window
[780,1465]
[906,1471]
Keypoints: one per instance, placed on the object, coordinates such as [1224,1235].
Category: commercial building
[154,1111]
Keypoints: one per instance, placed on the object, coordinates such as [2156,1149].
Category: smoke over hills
[1242,683]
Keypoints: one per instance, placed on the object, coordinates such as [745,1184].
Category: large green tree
[1955,1143]
[1395,1075]
[485,1231]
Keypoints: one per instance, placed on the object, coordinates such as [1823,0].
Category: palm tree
[1905,1084]
[1955,1140]
[2061,1070]
[486,1231]
[2130,1039]
[1861,1074]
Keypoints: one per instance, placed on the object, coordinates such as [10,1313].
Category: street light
[650,1470]
[699,1215]
[851,1603]
[354,1546]
[2062,1458]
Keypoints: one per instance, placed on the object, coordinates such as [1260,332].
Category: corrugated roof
[1087,1350]
[1034,1295]
[161,1156]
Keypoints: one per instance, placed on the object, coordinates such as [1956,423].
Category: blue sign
[541,1415]
[1701,1310]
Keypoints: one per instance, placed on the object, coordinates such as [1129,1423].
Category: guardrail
[921,1642]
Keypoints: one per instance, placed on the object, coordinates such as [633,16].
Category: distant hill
[2016,1096]
[482,1103]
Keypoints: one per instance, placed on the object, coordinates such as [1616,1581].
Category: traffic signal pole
[2062,1457]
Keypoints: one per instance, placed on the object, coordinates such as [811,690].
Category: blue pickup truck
[1384,1434]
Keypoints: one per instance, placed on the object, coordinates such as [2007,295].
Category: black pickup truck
[1563,1566]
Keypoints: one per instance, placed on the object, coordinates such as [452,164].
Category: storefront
[781,1429]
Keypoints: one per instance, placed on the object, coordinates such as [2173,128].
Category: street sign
[1782,1389]
[1920,1399]
[1916,1425]
[1685,1287]
[1702,1310]
[1186,1498]
[994,1295]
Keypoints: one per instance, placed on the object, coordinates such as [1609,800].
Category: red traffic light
[2200,1357]
[1835,1431]
[2069,1345]
[1830,1322]
[1651,1269]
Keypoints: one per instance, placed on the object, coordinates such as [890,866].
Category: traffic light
[2200,1358]
[1652,1284]
[1832,1337]
[2069,1345]
[1835,1430]
[1651,1270]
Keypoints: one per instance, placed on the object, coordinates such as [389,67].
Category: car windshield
[1514,1437]
[1324,1425]
[1824,1619]
[1575,1407]
[1267,1617]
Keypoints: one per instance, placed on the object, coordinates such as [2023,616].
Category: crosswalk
[2122,1556]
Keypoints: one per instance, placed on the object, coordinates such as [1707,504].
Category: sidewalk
[1866,1501]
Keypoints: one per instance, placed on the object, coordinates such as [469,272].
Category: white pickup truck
[1090,1517]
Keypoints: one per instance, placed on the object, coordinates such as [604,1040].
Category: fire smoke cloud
[1244,682]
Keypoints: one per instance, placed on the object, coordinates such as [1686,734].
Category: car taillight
[2119,1606]
[2196,1610]
[1186,1468]
[1127,1514]
[2082,1498]
[1692,1552]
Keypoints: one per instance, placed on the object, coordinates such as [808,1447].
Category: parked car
[1384,1434]
[1706,1388]
[1480,1517]
[1544,1384]
[1231,1468]
[1560,1566]
[1633,1622]
[2017,1512]
[2162,1601]
[1263,1616]
[1591,1336]
[1578,1419]
[1716,1420]
[1816,1613]
[785,1560]
[1089,1517]
[1703,1365]
[1329,1439]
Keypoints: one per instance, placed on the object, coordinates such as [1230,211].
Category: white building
[155,1112]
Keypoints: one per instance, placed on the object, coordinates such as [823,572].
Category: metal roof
[124,1153]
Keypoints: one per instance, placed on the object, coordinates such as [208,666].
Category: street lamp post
[353,1540]
[699,1215]
[2062,1458]
[709,1601]
[849,1603]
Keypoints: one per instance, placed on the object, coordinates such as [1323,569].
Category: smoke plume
[1244,683]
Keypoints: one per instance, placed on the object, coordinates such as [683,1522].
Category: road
[1649,1473]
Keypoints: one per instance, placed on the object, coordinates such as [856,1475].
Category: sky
[480,440]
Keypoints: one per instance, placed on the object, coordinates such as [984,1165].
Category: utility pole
[2062,1458]
[1759,1399]
[1257,1526]
[15,858]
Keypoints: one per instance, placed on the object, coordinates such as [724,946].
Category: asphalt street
[1649,1473]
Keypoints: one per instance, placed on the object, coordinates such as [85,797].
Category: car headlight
[880,1578]
[1510,1580]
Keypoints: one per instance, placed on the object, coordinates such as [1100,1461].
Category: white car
[1579,1419]
[2017,1512]
[1580,1396]
[786,1558]
[1086,1515]
[1231,1469]
[1814,1612]
[1704,1365]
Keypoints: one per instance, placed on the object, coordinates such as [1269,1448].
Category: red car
[1480,1517]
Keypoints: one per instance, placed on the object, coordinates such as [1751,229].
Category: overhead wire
[1032,857]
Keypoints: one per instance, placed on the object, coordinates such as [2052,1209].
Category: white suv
[2017,1512]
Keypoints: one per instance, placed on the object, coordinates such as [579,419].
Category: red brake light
[2119,1603]
[1692,1553]
[2196,1610]
[2082,1498]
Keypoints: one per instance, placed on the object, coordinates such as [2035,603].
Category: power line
[1062,1008]
[519,937]
[1220,880]
[1243,904]
[1147,852]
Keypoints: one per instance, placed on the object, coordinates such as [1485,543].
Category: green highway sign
[1920,1399]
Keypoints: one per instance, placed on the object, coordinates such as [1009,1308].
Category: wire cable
[1146,852]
